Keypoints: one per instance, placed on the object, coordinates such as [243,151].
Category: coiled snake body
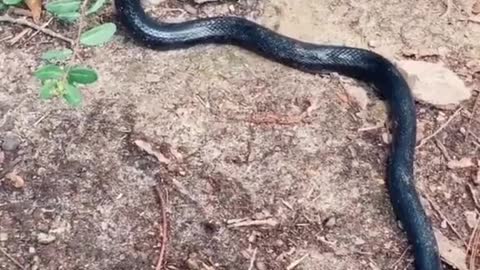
[357,63]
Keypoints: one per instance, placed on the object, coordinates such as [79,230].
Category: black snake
[357,63]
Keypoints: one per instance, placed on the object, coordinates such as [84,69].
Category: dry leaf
[16,180]
[147,147]
[450,252]
[36,7]
[462,163]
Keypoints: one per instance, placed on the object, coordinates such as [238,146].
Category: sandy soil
[209,111]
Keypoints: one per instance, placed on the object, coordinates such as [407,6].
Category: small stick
[475,201]
[24,22]
[297,262]
[12,259]
[474,109]
[395,264]
[268,222]
[253,259]
[443,149]
[164,229]
[437,209]
[439,129]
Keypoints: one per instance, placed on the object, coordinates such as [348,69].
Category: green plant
[59,76]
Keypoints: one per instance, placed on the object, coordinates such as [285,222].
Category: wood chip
[460,164]
[451,253]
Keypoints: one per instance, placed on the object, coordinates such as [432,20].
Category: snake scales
[357,63]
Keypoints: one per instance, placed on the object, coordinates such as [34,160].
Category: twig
[44,26]
[76,42]
[473,246]
[164,237]
[11,258]
[395,264]
[24,22]
[264,222]
[253,259]
[442,148]
[297,262]
[426,139]
[474,198]
[437,209]
[474,109]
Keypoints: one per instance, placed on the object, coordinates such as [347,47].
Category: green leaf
[12,2]
[98,35]
[63,6]
[49,72]
[57,55]
[82,75]
[95,7]
[72,95]
[47,91]
[69,16]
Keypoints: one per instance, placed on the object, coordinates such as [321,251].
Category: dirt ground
[243,139]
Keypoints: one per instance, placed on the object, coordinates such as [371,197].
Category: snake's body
[358,63]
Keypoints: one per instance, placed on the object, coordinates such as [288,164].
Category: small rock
[386,138]
[358,94]
[476,8]
[31,250]
[44,238]
[330,222]
[359,242]
[433,83]
[279,243]
[372,43]
[10,142]
[471,217]
[3,237]
[260,265]
[152,2]
[460,164]
[252,238]
[443,224]
[2,157]
[16,180]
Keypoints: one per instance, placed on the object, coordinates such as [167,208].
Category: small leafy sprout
[57,76]
[58,82]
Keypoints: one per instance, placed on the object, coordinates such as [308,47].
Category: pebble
[434,83]
[3,237]
[260,265]
[359,242]
[44,238]
[10,142]
[330,222]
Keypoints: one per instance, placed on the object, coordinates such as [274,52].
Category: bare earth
[242,138]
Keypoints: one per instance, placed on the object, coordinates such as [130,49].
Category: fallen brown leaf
[450,252]
[147,147]
[36,7]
